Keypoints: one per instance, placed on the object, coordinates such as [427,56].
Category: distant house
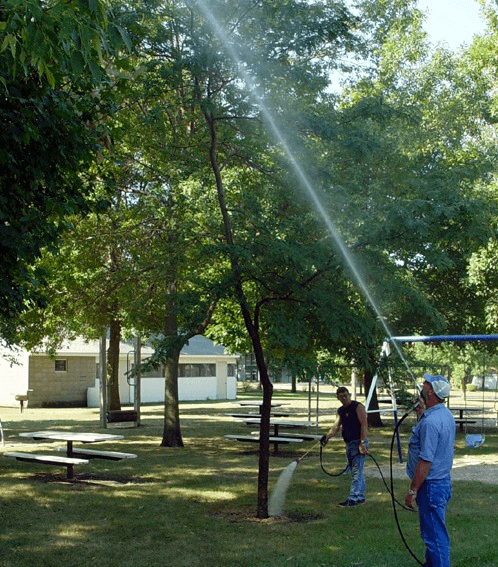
[71,377]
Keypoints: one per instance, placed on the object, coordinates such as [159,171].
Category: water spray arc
[251,85]
[277,499]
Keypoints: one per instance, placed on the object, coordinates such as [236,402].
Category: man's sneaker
[349,503]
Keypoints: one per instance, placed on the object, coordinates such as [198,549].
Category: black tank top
[351,426]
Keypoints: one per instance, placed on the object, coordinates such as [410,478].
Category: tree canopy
[225,117]
[52,113]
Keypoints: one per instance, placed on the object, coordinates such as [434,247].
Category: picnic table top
[284,422]
[78,436]
[248,403]
[258,415]
[273,438]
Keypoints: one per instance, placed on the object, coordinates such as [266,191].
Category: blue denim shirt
[432,440]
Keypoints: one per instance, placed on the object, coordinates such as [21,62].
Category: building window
[196,370]
[184,371]
[230,369]
[60,365]
[153,373]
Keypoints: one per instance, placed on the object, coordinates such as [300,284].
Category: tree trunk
[113,401]
[172,436]
[294,383]
[252,329]
[264,429]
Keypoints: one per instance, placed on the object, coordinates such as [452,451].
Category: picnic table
[276,413]
[277,423]
[277,437]
[276,441]
[259,405]
[74,455]
[461,419]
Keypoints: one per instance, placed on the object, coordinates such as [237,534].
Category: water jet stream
[277,499]
[301,176]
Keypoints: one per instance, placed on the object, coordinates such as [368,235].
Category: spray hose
[392,490]
[325,470]
[348,466]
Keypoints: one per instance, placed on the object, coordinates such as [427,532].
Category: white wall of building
[18,374]
[189,389]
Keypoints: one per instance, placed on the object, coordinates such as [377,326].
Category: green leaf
[77,63]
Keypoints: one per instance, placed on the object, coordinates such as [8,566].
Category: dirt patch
[249,516]
[470,467]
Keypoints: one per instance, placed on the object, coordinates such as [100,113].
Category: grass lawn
[196,506]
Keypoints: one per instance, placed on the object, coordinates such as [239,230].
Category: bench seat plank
[121,416]
[255,439]
[45,459]
[303,436]
[97,454]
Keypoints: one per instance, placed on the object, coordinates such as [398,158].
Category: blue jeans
[432,500]
[356,462]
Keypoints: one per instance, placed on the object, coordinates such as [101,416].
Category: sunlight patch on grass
[72,534]
[333,548]
[203,495]
[20,491]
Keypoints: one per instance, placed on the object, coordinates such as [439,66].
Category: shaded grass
[196,506]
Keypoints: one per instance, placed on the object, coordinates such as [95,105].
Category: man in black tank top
[352,420]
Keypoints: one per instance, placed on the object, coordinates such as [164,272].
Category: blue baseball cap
[439,384]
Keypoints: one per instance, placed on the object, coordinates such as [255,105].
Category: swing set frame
[384,356]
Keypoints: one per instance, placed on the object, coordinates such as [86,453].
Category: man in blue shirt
[430,459]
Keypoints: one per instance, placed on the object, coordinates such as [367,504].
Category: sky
[452,21]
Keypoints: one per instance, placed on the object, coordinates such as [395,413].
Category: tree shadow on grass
[91,479]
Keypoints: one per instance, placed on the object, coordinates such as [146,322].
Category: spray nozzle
[417,400]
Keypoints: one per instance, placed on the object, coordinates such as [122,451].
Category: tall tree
[226,109]
[51,110]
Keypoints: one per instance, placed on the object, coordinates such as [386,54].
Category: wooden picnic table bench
[462,421]
[68,462]
[281,423]
[303,436]
[250,415]
[122,416]
[259,405]
[70,437]
[98,454]
[276,437]
[276,441]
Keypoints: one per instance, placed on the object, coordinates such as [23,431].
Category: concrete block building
[70,378]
